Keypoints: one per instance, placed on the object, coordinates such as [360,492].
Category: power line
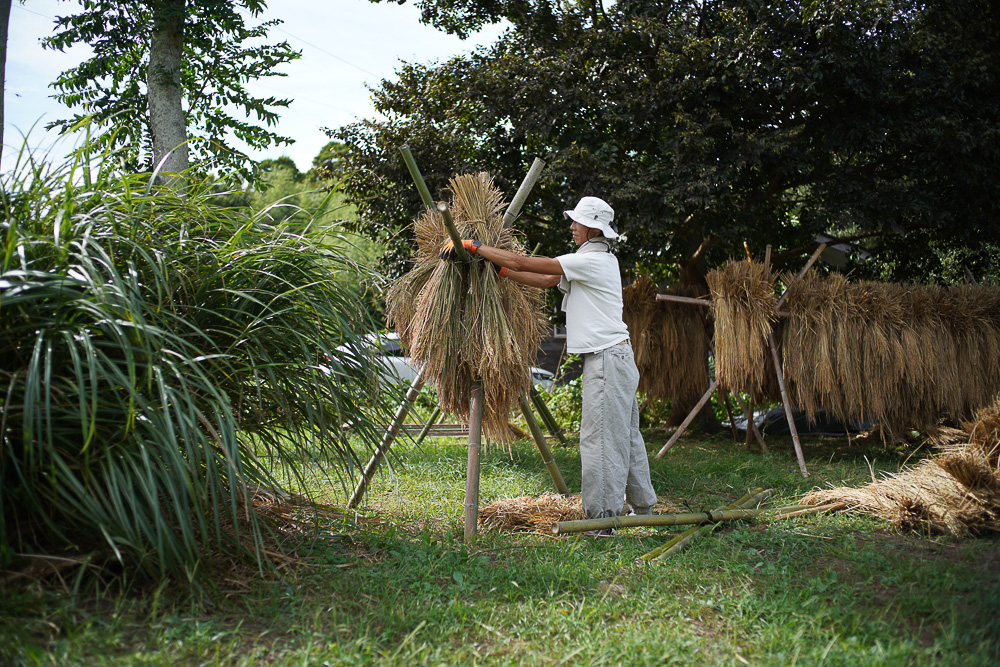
[322,50]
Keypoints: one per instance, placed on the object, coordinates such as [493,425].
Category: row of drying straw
[906,356]
[670,342]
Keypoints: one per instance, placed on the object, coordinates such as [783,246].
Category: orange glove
[448,249]
[501,271]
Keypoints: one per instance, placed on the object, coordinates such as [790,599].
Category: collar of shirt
[594,246]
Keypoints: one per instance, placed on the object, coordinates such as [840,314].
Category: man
[614,464]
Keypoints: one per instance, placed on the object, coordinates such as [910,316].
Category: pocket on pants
[593,366]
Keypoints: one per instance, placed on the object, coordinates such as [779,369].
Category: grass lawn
[396,584]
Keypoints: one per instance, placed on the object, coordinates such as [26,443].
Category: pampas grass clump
[462,322]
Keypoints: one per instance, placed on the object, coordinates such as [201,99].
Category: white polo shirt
[592,301]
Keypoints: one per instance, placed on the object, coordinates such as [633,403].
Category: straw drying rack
[475,420]
[775,357]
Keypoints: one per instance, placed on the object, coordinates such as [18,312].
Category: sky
[348,47]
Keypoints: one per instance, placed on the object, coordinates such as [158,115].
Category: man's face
[579,232]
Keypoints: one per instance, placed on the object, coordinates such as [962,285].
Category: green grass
[396,585]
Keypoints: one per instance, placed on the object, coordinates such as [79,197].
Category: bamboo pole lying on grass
[685,538]
[655,520]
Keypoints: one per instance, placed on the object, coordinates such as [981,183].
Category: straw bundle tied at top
[956,491]
[670,342]
[461,322]
[745,310]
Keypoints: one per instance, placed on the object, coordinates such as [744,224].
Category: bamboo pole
[543,410]
[472,466]
[684,299]
[655,520]
[752,498]
[812,260]
[723,397]
[787,404]
[429,423]
[687,420]
[799,510]
[751,424]
[411,165]
[387,439]
[655,553]
[543,447]
[522,192]
[456,238]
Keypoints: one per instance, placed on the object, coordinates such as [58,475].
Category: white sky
[346,45]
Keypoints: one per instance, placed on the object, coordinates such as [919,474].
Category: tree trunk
[166,114]
[4,25]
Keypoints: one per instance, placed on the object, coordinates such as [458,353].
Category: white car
[400,369]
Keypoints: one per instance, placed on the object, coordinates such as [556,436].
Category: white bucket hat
[595,213]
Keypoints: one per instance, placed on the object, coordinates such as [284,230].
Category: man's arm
[546,266]
[534,279]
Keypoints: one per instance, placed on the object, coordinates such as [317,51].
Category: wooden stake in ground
[472,467]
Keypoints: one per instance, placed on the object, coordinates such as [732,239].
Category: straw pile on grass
[745,311]
[903,355]
[530,513]
[956,491]
[670,341]
[461,322]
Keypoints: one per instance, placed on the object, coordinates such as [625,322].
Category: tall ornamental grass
[161,360]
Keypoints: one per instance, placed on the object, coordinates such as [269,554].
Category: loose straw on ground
[956,491]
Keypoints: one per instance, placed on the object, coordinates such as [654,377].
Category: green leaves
[221,53]
[709,124]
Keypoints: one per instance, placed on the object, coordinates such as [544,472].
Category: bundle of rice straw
[745,311]
[530,513]
[460,321]
[956,491]
[902,355]
[670,341]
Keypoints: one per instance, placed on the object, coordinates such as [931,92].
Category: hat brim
[593,224]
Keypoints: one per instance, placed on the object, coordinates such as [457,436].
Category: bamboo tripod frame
[471,505]
[776,359]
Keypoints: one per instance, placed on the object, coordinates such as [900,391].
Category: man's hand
[501,271]
[448,249]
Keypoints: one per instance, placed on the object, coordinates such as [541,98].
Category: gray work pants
[613,459]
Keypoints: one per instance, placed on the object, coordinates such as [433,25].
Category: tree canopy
[710,124]
[219,54]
